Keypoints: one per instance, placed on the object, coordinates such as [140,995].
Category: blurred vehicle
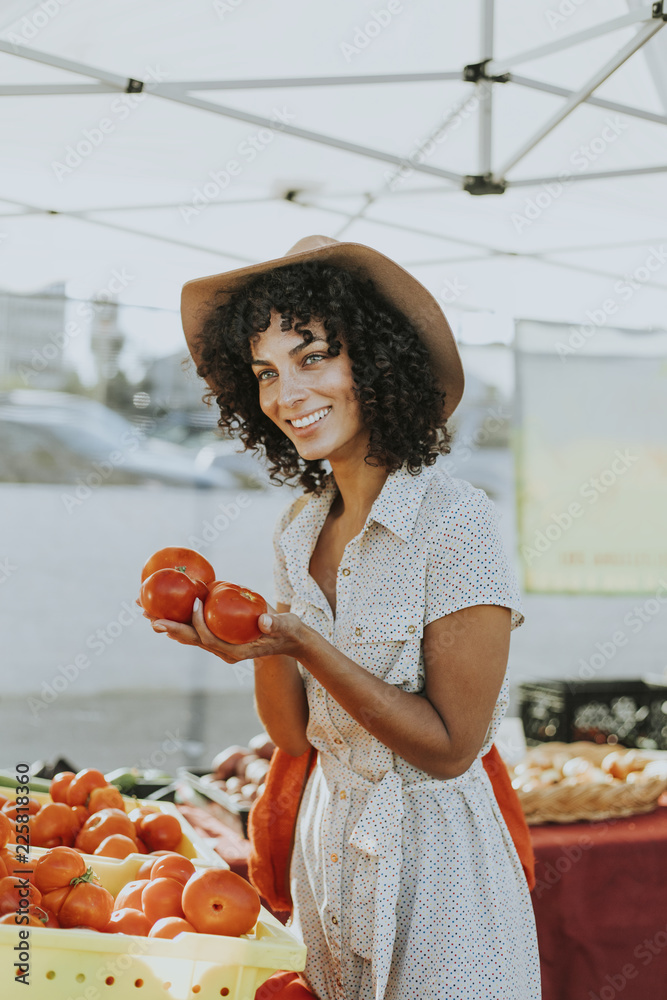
[55,437]
[228,457]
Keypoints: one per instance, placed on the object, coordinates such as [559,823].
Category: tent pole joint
[483,184]
[658,11]
[474,72]
[134,86]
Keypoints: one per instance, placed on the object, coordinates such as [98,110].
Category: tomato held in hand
[231,613]
[217,901]
[170,594]
[186,560]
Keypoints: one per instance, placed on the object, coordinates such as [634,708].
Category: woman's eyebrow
[295,350]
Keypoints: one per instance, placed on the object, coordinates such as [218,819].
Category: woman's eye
[260,377]
[317,356]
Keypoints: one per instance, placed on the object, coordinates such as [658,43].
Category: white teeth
[312,418]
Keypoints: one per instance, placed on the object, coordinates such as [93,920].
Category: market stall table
[600,903]
[601,908]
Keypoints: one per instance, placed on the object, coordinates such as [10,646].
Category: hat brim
[392,281]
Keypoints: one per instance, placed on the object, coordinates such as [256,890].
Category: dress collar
[396,507]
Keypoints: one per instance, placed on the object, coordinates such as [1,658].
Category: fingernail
[197,605]
[159,628]
[267,621]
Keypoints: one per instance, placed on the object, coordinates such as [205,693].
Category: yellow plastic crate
[86,965]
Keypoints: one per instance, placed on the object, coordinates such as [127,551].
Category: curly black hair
[401,402]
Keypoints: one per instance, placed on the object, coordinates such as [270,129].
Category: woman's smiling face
[308,393]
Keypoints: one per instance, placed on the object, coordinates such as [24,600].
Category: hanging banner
[591,459]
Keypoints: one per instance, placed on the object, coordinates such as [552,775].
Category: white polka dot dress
[404,886]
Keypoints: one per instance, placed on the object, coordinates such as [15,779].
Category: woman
[387,650]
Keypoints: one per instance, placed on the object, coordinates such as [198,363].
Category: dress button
[334,920]
[343,794]
[338,742]
[357,631]
[334,857]
[346,571]
[319,693]
[411,628]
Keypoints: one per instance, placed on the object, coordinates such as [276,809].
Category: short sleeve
[283,591]
[467,562]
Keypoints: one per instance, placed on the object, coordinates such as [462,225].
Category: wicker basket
[583,791]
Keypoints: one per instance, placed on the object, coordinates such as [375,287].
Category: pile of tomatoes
[173,578]
[168,897]
[88,813]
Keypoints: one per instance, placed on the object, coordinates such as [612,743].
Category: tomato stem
[88,876]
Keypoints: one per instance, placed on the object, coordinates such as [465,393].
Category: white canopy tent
[166,139]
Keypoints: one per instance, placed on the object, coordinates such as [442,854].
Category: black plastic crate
[632,713]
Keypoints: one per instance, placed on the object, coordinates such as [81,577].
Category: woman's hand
[283,635]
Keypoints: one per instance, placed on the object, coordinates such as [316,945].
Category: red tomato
[16,865]
[130,894]
[161,832]
[187,560]
[217,901]
[128,921]
[60,784]
[162,898]
[88,904]
[116,845]
[12,892]
[231,613]
[6,830]
[82,785]
[45,917]
[10,809]
[169,927]
[54,825]
[105,798]
[100,826]
[173,866]
[29,920]
[171,594]
[57,868]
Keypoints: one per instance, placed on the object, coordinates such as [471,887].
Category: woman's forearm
[281,702]
[406,723]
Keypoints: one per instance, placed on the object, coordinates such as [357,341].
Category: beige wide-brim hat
[392,281]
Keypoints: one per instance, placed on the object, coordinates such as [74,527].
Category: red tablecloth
[600,903]
[601,908]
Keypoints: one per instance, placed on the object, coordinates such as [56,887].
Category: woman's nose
[291,390]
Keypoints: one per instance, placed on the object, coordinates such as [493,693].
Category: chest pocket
[389,646]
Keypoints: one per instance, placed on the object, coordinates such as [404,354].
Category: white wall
[70,578]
